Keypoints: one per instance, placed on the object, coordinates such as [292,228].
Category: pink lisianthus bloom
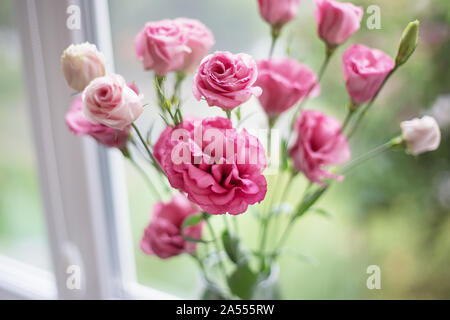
[319,143]
[337,21]
[226,80]
[218,168]
[278,12]
[161,46]
[79,125]
[365,70]
[108,100]
[284,82]
[163,236]
[199,40]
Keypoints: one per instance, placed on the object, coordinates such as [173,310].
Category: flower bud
[408,43]
[421,135]
[82,63]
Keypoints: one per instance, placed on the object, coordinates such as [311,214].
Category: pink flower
[82,63]
[109,101]
[163,236]
[319,143]
[337,21]
[365,70]
[226,80]
[199,40]
[278,12]
[218,168]
[161,46]
[284,82]
[79,125]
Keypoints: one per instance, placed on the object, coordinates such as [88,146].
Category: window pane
[22,229]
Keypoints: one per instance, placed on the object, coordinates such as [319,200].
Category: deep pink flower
[163,237]
[226,80]
[284,82]
[278,12]
[364,71]
[319,143]
[337,21]
[79,125]
[199,40]
[218,168]
[161,46]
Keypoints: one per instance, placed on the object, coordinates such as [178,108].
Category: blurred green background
[393,211]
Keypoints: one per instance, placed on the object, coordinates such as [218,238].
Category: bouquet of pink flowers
[211,168]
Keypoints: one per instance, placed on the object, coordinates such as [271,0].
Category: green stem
[367,107]
[349,115]
[146,177]
[216,244]
[372,153]
[180,76]
[150,154]
[275,33]
[328,55]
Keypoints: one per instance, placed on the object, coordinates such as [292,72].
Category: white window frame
[82,183]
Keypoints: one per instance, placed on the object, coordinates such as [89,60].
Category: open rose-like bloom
[226,80]
[284,82]
[163,236]
[79,125]
[421,135]
[82,63]
[278,12]
[365,70]
[218,168]
[337,21]
[108,100]
[161,46]
[319,143]
[199,40]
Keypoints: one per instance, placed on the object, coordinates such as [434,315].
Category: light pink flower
[82,63]
[163,236]
[226,80]
[319,143]
[421,135]
[365,70]
[109,101]
[218,168]
[199,40]
[337,21]
[161,46]
[79,125]
[278,12]
[284,82]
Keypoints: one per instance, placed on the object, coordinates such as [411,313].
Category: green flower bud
[408,43]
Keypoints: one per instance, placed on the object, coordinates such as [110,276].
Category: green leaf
[242,282]
[191,221]
[233,248]
[284,155]
[308,201]
[322,212]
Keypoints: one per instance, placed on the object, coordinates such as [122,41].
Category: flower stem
[369,104]
[150,154]
[328,55]
[180,76]
[275,33]
[146,177]
[216,244]
[372,153]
